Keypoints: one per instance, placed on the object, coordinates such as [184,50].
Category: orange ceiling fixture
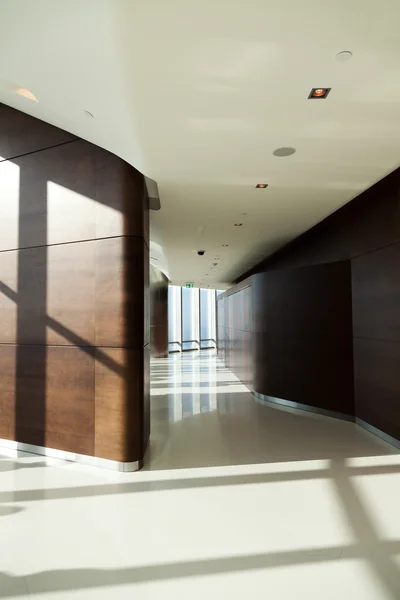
[261,186]
[319,93]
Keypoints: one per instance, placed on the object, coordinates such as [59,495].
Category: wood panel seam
[111,237]
[11,158]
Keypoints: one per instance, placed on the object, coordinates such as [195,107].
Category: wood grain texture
[121,197]
[8,367]
[22,133]
[89,298]
[74,238]
[120,404]
[74,192]
[367,232]
[158,313]
[121,289]
[376,294]
[290,335]
[299,302]
[61,419]
[8,297]
[377,384]
[145,404]
[71,292]
[303,336]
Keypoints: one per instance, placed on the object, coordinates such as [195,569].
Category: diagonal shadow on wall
[89,177]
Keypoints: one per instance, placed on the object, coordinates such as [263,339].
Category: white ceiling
[196,94]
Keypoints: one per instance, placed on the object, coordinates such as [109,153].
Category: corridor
[235,499]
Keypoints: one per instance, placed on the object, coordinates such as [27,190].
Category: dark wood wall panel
[369,222]
[376,294]
[145,399]
[121,284]
[289,335]
[305,301]
[70,193]
[235,338]
[119,395]
[89,299]
[365,232]
[377,384]
[376,326]
[122,391]
[22,134]
[158,313]
[74,290]
[303,336]
[8,369]
[66,421]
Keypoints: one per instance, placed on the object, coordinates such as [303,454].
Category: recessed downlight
[261,186]
[225,245]
[26,94]
[87,113]
[284,151]
[319,93]
[238,224]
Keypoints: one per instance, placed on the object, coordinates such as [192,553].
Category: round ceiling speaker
[284,151]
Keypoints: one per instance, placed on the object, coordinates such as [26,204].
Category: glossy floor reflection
[203,416]
[282,505]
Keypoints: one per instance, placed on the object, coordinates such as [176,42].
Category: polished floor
[236,499]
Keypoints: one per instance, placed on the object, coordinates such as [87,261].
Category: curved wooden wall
[158,313]
[74,294]
[326,325]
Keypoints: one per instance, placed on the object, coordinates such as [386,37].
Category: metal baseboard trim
[92,461]
[262,399]
[381,434]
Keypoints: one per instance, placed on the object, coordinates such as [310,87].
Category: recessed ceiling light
[284,151]
[344,55]
[87,113]
[26,94]
[319,93]
[225,245]
[238,224]
[261,186]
